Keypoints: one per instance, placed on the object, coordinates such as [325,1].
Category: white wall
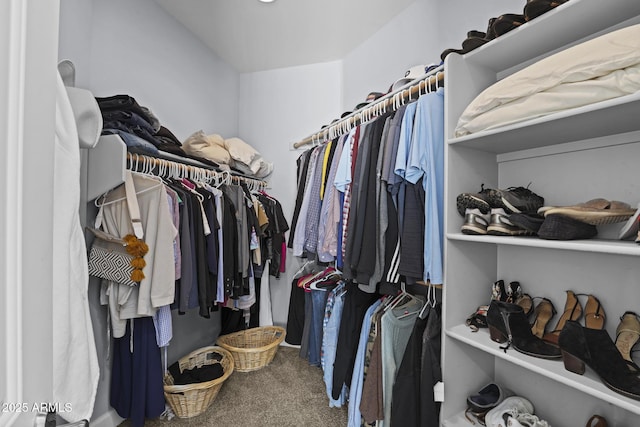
[277,108]
[409,39]
[136,48]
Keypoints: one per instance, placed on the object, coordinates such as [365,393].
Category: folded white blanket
[596,70]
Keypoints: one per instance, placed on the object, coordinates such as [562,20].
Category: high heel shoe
[543,312]
[582,346]
[572,311]
[627,335]
[514,292]
[594,315]
[507,323]
[526,302]
[498,291]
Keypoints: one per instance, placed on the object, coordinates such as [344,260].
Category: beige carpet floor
[287,392]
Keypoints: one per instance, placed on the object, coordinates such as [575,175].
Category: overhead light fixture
[266,1]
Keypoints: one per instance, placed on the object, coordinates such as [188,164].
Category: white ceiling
[255,36]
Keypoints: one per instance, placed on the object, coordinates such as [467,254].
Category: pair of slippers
[503,24]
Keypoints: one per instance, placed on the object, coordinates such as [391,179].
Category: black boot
[595,348]
[507,322]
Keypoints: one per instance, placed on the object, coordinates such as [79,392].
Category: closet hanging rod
[147,164]
[435,79]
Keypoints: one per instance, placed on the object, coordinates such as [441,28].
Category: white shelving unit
[568,157]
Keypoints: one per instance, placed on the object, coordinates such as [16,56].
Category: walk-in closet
[345,213]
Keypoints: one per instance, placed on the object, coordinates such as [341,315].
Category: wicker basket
[253,348]
[190,400]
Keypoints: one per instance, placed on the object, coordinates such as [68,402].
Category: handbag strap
[132,204]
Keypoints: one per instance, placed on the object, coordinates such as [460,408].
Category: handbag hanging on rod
[120,260]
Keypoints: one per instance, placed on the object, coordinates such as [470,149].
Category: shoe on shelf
[517,200]
[543,312]
[535,8]
[507,22]
[530,221]
[627,335]
[597,421]
[595,211]
[631,228]
[594,348]
[572,311]
[508,323]
[526,302]
[478,200]
[594,316]
[475,222]
[561,227]
[498,291]
[487,398]
[514,292]
[531,420]
[504,415]
[501,226]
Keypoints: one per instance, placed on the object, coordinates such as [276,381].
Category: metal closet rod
[392,101]
[147,164]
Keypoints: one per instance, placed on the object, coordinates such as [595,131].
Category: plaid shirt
[347,194]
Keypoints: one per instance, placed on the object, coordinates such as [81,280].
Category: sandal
[594,316]
[594,212]
[543,312]
[627,335]
[526,302]
[572,311]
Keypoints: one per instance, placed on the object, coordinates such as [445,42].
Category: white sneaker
[505,414]
[530,420]
[501,226]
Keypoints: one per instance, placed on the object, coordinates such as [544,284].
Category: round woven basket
[253,348]
[190,400]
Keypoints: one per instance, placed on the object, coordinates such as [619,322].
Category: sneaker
[501,226]
[517,200]
[530,420]
[504,415]
[479,201]
[487,398]
[475,222]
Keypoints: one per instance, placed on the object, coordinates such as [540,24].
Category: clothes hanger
[430,302]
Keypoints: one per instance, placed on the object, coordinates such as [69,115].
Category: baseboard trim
[108,419]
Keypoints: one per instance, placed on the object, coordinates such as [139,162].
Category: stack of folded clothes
[142,133]
[138,127]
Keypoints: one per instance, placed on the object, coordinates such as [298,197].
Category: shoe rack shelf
[616,247]
[567,157]
[553,369]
